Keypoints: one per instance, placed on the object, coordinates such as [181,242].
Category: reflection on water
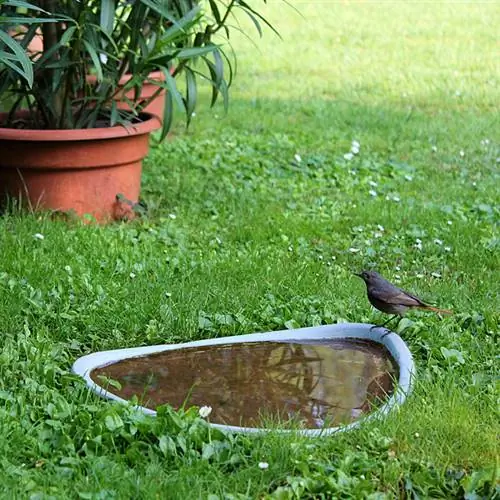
[313,383]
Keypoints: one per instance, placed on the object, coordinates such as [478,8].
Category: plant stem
[50,39]
[229,8]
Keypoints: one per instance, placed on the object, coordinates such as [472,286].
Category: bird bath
[319,380]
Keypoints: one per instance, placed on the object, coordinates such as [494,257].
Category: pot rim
[149,124]
[154,75]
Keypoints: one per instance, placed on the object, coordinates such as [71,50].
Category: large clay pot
[83,171]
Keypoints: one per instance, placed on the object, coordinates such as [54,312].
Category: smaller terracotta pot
[35,47]
[155,107]
[76,170]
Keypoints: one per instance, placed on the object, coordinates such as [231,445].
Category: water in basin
[309,383]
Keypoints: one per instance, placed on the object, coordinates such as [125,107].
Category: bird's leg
[384,324]
[389,331]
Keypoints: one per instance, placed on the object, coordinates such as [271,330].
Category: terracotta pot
[35,47]
[148,89]
[76,170]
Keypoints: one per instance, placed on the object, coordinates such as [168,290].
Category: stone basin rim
[362,331]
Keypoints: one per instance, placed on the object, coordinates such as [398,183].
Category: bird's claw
[387,331]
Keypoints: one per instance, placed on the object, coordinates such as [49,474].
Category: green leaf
[204,323]
[171,87]
[191,94]
[114,114]
[194,52]
[213,79]
[219,67]
[453,354]
[24,5]
[291,324]
[95,59]
[29,20]
[106,381]
[160,8]
[86,495]
[254,20]
[24,66]
[65,40]
[182,443]
[404,324]
[215,11]
[178,31]
[208,451]
[246,7]
[229,66]
[167,445]
[113,422]
[168,112]
[107,17]
[224,90]
[108,39]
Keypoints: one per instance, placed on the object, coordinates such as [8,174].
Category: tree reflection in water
[312,383]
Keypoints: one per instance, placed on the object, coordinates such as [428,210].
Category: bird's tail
[437,310]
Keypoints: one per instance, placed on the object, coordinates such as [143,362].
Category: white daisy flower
[205,411]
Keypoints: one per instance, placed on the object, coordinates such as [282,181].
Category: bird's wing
[404,299]
[391,294]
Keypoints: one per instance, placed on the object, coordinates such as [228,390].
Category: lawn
[256,221]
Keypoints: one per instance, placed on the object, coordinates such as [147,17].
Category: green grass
[238,227]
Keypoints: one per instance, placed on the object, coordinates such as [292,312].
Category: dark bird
[390,299]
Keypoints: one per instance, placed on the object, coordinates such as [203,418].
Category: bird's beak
[358,275]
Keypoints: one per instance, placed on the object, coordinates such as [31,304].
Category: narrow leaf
[95,59]
[213,80]
[191,94]
[195,52]
[107,15]
[215,11]
[24,66]
[219,67]
[115,116]
[168,114]
[172,89]
[65,40]
[24,5]
[254,20]
[224,90]
[245,6]
[160,8]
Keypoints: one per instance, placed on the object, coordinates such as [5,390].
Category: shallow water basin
[317,380]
